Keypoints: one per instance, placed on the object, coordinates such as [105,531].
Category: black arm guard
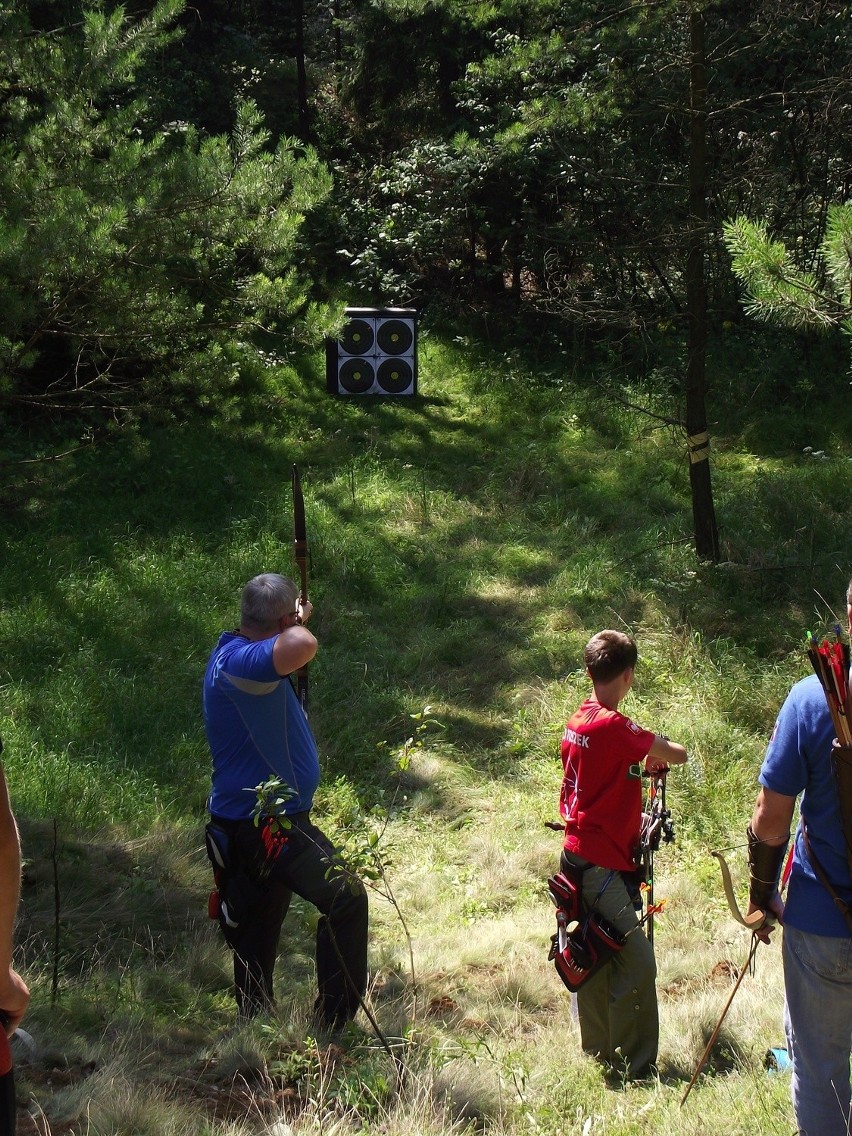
[764,867]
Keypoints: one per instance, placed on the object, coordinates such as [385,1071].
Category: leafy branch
[271,797]
[363,833]
[779,291]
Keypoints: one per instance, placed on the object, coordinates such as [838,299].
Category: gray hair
[266,599]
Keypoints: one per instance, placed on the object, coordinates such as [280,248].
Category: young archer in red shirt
[604,754]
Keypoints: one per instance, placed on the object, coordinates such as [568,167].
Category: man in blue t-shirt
[257,730]
[817,939]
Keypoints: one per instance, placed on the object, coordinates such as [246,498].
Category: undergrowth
[464,546]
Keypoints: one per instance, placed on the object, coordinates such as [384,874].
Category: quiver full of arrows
[584,941]
[841,763]
[831,663]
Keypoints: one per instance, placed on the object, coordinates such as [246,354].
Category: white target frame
[375,354]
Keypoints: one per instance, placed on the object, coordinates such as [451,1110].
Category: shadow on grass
[121,571]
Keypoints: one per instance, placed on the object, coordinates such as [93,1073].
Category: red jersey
[601,798]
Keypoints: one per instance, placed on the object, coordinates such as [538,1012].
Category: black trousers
[302,863]
[7,1088]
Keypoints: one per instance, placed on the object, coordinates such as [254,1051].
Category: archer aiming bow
[300,553]
[657,827]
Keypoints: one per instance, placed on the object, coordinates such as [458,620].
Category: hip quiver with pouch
[584,941]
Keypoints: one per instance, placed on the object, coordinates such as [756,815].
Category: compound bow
[657,828]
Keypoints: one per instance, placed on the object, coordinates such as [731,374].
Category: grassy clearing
[464,547]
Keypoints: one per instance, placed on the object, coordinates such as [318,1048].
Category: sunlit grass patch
[465,546]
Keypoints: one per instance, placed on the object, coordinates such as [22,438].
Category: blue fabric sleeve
[255,727]
[253,661]
[784,767]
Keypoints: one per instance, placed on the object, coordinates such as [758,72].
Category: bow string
[755,921]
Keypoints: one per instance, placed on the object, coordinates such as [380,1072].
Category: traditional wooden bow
[754,922]
[300,553]
[757,920]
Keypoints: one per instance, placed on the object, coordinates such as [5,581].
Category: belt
[230,824]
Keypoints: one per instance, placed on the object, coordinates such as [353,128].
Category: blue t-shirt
[256,729]
[798,760]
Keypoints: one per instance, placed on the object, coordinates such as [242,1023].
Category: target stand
[375,354]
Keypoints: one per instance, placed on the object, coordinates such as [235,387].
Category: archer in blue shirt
[817,935]
[257,730]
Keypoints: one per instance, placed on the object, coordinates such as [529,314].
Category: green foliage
[537,155]
[271,797]
[779,290]
[134,254]
[361,832]
[465,545]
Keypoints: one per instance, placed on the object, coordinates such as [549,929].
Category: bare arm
[295,646]
[14,994]
[664,752]
[770,823]
[773,814]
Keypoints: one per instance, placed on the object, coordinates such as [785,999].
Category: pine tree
[138,259]
[781,291]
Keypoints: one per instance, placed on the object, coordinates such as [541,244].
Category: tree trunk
[338,38]
[301,72]
[703,512]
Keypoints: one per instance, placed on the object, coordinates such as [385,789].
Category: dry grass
[466,574]
[492,1044]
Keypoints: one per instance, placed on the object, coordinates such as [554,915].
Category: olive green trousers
[617,1007]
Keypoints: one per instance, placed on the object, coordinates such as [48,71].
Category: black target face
[395,337]
[357,337]
[394,376]
[356,376]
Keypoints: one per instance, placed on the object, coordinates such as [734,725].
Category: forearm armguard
[764,867]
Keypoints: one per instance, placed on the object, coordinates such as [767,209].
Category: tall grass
[464,546]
